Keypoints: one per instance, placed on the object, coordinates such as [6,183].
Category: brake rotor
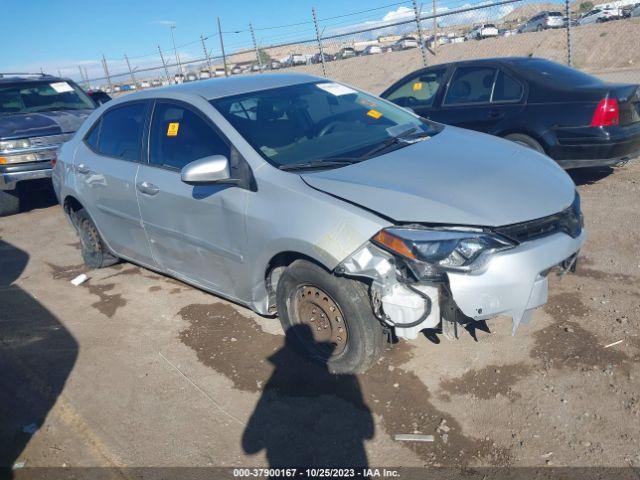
[316,309]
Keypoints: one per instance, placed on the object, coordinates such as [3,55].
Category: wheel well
[532,135]
[71,204]
[277,265]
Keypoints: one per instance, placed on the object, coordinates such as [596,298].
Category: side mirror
[213,169]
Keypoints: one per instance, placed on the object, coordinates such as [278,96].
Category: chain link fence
[363,50]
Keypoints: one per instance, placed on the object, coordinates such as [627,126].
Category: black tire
[364,340]
[526,141]
[539,28]
[94,251]
[9,202]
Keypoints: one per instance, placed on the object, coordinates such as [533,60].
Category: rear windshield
[39,96]
[554,14]
[544,71]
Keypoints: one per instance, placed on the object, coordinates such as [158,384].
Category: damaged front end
[422,277]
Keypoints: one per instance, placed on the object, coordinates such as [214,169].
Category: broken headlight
[431,252]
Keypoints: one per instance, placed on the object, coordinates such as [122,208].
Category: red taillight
[54,159]
[607,113]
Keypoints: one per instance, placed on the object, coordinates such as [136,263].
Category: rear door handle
[83,169]
[495,113]
[147,188]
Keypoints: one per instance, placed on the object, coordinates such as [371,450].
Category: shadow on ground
[37,355]
[589,176]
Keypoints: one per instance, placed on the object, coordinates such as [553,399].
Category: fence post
[435,28]
[224,57]
[423,50]
[315,23]
[164,65]
[255,46]
[84,80]
[133,79]
[569,46]
[106,72]
[206,54]
[86,75]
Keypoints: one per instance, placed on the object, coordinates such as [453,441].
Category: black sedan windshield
[312,123]
[32,97]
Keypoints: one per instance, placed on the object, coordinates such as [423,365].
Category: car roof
[28,77]
[227,87]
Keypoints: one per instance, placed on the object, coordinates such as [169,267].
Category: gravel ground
[133,368]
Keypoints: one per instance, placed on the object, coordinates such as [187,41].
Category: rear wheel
[94,251]
[330,317]
[526,141]
[9,202]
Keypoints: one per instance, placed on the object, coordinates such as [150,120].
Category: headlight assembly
[7,146]
[430,252]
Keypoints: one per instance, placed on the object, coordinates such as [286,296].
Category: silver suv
[340,212]
[544,20]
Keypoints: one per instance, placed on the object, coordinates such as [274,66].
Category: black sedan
[575,118]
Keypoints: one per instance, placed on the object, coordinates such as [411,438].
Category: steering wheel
[328,128]
[411,101]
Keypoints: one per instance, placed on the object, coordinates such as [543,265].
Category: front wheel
[330,317]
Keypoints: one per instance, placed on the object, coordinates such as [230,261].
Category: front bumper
[10,175]
[514,283]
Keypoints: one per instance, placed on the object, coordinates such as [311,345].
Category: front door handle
[83,169]
[147,188]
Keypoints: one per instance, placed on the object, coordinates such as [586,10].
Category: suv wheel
[9,202]
[94,251]
[341,329]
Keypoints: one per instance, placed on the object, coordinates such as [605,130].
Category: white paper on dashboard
[61,87]
[335,88]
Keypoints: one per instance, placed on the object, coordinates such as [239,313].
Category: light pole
[175,50]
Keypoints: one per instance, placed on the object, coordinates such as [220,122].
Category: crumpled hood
[457,177]
[22,125]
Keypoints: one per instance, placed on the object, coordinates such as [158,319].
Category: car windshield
[554,14]
[312,123]
[39,96]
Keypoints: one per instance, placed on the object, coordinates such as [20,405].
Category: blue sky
[62,34]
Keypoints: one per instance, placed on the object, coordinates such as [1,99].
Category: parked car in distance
[599,15]
[317,58]
[204,74]
[372,50]
[405,43]
[574,118]
[98,96]
[275,65]
[351,218]
[543,21]
[345,52]
[296,59]
[37,114]
[480,32]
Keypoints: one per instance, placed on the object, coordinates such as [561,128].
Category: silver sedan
[349,217]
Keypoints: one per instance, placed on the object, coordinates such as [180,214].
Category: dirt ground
[135,369]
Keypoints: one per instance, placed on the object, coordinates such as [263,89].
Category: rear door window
[179,136]
[507,88]
[470,85]
[121,132]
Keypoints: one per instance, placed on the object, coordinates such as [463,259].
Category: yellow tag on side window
[417,86]
[374,113]
[172,129]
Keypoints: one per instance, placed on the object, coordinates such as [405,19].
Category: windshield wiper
[319,163]
[395,140]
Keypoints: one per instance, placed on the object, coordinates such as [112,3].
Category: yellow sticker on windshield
[374,113]
[417,86]
[172,129]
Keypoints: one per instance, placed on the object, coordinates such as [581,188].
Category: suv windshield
[320,125]
[41,96]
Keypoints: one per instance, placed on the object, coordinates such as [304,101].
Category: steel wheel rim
[315,308]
